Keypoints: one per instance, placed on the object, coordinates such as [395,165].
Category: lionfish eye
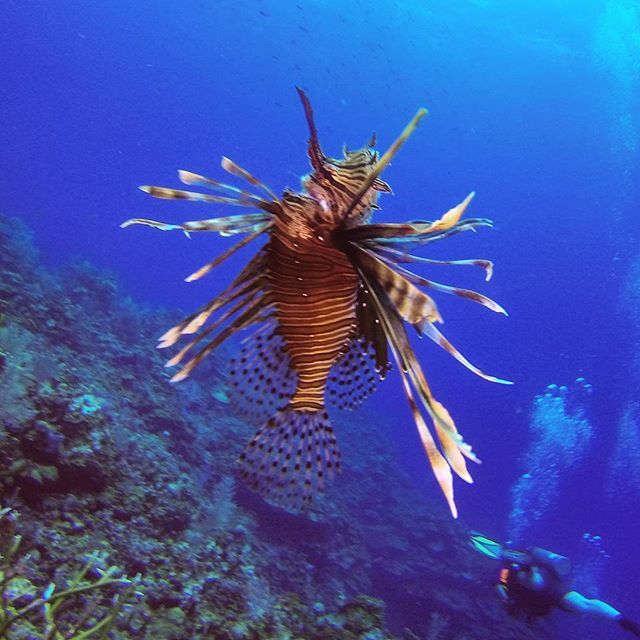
[372,156]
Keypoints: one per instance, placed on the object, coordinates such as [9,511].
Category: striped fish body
[314,288]
[331,300]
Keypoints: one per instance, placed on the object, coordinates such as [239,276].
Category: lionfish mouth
[317,193]
[328,316]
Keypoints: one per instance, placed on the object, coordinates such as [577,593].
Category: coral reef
[78,610]
[560,438]
[98,452]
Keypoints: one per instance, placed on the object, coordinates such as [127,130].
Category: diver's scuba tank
[554,561]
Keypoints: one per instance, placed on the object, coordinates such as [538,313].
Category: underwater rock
[168,625]
[42,443]
[362,615]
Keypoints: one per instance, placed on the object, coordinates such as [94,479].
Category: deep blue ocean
[534,105]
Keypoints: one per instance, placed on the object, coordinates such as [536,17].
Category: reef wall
[103,464]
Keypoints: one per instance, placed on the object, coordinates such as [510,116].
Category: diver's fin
[486,546]
[496,551]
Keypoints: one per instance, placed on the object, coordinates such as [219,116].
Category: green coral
[78,611]
[87,404]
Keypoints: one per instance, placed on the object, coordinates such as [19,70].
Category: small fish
[330,302]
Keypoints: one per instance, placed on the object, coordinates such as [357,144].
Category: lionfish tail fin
[289,458]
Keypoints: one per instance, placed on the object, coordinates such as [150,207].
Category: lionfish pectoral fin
[450,446]
[394,331]
[289,459]
[404,257]
[453,444]
[236,170]
[225,226]
[441,418]
[430,331]
[253,310]
[412,304]
[247,281]
[451,217]
[474,296]
[244,299]
[370,328]
[204,270]
[245,199]
[439,465]
[163,226]
[454,448]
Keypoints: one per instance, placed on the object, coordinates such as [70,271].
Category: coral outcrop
[87,605]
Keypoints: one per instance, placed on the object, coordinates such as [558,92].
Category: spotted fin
[261,375]
[371,331]
[289,459]
[353,378]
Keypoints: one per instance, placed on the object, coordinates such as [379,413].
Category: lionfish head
[335,181]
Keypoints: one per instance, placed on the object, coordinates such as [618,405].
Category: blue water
[532,104]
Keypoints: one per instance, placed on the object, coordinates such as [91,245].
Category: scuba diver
[534,581]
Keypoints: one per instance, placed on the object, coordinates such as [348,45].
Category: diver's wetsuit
[535,580]
[533,590]
[531,601]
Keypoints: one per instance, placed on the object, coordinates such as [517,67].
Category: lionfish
[330,299]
